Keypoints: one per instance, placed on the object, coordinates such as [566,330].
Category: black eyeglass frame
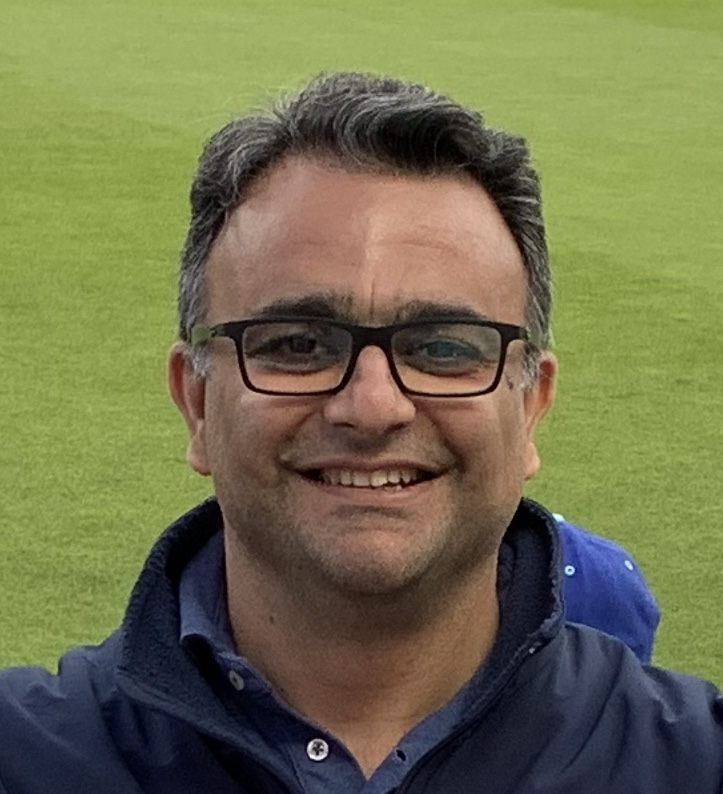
[362,336]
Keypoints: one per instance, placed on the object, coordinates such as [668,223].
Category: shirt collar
[202,598]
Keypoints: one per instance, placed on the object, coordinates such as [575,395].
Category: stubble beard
[317,568]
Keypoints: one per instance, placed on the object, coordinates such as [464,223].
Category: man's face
[375,249]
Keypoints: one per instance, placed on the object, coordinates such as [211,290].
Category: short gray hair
[367,123]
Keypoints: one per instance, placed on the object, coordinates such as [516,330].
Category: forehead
[375,244]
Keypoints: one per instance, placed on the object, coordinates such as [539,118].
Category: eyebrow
[332,306]
[324,305]
[431,310]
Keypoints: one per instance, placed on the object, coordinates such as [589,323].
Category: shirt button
[236,680]
[317,749]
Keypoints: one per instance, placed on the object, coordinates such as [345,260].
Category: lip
[370,497]
[367,466]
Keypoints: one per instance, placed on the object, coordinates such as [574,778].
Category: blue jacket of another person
[603,587]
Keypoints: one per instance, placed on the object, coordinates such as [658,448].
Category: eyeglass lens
[301,357]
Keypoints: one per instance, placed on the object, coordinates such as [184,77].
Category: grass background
[103,109]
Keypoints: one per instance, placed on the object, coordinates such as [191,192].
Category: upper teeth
[369,479]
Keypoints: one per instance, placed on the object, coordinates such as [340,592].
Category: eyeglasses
[312,356]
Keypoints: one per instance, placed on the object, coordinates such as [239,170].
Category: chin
[376,572]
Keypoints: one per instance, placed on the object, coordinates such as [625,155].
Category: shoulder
[79,731]
[582,714]
[79,672]
[651,708]
[52,722]
[601,721]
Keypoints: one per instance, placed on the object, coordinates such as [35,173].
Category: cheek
[247,433]
[233,426]
[488,437]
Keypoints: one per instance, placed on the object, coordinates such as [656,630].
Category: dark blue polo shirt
[292,746]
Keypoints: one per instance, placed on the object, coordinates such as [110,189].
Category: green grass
[105,106]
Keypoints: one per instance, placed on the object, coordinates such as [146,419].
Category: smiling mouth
[388,479]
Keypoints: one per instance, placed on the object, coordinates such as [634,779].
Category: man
[368,605]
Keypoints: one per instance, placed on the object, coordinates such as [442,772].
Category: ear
[188,391]
[538,402]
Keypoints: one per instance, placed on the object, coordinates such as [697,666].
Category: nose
[371,402]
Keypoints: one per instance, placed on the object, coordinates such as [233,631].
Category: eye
[443,357]
[294,346]
[447,350]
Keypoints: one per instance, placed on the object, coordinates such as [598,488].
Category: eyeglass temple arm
[200,334]
[533,338]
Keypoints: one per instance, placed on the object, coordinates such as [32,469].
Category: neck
[367,670]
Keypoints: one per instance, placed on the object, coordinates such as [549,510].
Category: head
[367,201]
